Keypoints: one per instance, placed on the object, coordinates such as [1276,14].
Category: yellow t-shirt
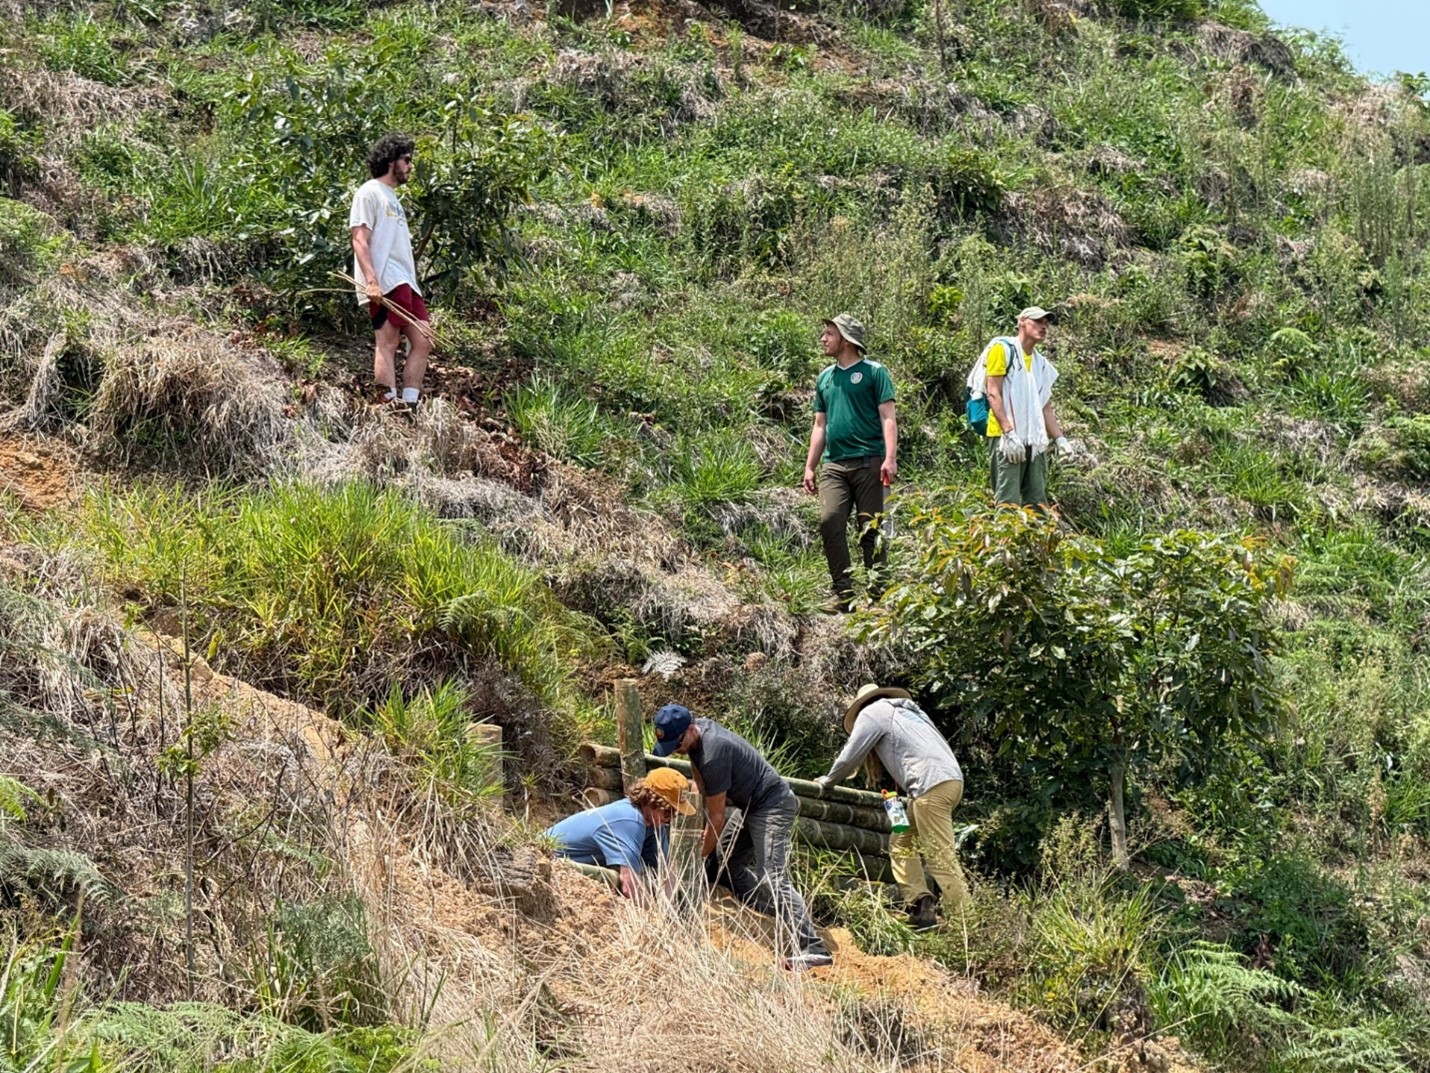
[997,365]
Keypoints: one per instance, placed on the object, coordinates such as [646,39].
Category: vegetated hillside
[637,218]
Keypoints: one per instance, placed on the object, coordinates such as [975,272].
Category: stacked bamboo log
[837,818]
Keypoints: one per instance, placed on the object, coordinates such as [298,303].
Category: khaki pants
[930,836]
[850,485]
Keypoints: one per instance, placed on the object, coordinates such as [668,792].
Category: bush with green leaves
[291,146]
[1080,662]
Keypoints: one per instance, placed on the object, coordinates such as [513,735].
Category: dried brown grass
[136,384]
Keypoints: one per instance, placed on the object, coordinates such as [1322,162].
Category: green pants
[850,485]
[1022,484]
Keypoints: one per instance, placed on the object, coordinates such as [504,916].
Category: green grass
[327,594]
[1227,233]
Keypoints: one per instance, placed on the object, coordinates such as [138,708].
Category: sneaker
[836,605]
[922,916]
[810,959]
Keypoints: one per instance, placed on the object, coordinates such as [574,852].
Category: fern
[13,795]
[53,873]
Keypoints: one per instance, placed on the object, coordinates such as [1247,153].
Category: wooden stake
[630,730]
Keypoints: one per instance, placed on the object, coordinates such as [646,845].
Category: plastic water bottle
[898,818]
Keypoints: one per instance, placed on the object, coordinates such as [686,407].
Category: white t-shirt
[375,204]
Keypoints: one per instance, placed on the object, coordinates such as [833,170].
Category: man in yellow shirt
[1022,426]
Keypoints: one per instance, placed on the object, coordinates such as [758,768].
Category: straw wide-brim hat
[866,695]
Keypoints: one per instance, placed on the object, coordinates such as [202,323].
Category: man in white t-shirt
[386,272]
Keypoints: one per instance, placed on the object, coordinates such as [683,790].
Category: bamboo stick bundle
[838,836]
[861,816]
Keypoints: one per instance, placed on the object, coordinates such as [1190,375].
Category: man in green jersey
[857,437]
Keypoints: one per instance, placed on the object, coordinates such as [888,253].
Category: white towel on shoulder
[1025,393]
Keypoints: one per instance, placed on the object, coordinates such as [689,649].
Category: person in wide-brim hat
[853,455]
[867,695]
[886,726]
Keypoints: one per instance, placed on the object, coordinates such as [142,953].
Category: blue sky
[1380,36]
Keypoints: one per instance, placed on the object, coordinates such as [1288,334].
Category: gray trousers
[756,862]
[851,485]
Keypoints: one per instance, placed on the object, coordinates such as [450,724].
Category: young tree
[1090,662]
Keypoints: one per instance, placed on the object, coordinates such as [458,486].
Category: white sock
[409,394]
[391,394]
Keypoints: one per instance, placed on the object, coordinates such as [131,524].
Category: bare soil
[39,472]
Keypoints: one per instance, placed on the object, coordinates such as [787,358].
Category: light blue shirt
[611,835]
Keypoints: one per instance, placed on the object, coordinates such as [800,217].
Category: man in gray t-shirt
[731,773]
[887,726]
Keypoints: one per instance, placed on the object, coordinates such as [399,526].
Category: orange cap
[670,785]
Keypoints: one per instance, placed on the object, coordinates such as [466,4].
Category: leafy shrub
[1208,260]
[1107,661]
[1307,919]
[967,182]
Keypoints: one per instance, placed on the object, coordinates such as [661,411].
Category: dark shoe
[922,916]
[810,959]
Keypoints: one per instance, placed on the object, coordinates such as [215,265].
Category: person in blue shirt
[614,835]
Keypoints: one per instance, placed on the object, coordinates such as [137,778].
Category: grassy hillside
[637,218]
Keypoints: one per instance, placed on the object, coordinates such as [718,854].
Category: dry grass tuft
[1062,218]
[199,397]
[136,384]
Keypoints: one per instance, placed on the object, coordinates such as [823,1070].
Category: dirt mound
[39,472]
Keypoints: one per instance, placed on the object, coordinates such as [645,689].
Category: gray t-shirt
[730,765]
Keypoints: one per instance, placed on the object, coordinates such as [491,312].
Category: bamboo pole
[595,797]
[489,736]
[868,819]
[630,730]
[838,836]
[595,871]
[843,795]
[604,778]
[687,835]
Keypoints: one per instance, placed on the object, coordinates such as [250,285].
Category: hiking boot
[809,959]
[922,916]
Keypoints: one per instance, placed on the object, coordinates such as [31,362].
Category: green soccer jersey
[851,398]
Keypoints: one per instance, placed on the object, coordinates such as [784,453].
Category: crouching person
[617,835]
[886,727]
[731,774]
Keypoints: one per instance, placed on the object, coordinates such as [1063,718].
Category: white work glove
[824,782]
[1067,448]
[1012,448]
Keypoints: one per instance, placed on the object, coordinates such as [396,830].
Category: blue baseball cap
[671,723]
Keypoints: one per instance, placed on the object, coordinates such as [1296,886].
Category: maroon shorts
[405,299]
